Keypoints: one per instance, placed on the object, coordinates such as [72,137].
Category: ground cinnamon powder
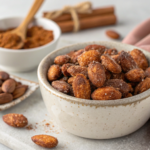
[36,37]
[12,38]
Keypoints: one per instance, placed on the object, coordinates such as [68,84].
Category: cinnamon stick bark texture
[99,17]
[95,12]
[90,22]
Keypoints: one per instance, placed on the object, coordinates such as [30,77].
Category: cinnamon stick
[95,12]
[90,22]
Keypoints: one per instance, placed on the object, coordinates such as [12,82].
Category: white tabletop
[129,14]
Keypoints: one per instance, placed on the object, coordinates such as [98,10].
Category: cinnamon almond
[15,120]
[46,141]
[112,34]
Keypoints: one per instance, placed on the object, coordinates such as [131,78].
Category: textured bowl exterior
[90,118]
[27,59]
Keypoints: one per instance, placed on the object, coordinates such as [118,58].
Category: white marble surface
[129,13]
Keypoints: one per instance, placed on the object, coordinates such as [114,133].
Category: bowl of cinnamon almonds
[97,90]
[41,38]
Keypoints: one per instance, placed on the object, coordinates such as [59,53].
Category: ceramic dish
[90,118]
[32,86]
[26,59]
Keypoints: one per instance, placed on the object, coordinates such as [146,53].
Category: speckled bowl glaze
[90,118]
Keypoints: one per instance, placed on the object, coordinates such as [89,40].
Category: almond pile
[100,73]
[9,88]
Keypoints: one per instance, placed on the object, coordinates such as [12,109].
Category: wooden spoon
[21,30]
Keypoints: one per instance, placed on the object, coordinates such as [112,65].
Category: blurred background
[129,14]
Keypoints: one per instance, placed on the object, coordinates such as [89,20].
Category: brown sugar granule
[36,36]
[29,127]
[47,124]
[9,40]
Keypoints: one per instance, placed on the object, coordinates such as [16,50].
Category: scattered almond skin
[112,34]
[4,75]
[96,74]
[5,98]
[81,87]
[54,73]
[62,59]
[9,86]
[15,120]
[45,141]
[19,91]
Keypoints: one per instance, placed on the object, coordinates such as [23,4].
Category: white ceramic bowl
[90,118]
[27,59]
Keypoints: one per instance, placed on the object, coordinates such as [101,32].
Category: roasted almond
[139,58]
[147,72]
[15,120]
[81,87]
[9,86]
[112,34]
[19,91]
[88,56]
[64,69]
[126,61]
[110,64]
[70,80]
[62,59]
[74,70]
[96,74]
[135,75]
[61,86]
[101,49]
[54,73]
[45,141]
[106,93]
[5,98]
[1,82]
[4,75]
[118,84]
[1,90]
[111,51]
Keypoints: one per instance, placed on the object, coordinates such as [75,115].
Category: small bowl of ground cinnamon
[41,38]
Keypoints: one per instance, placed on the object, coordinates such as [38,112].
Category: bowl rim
[31,49]
[125,101]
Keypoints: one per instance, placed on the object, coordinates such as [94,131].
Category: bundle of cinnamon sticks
[98,17]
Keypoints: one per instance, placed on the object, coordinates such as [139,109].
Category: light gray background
[129,13]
